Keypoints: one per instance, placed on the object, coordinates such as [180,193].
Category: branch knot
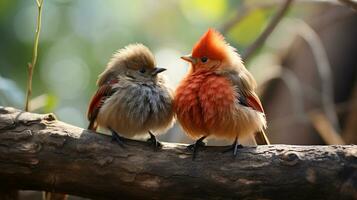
[290,158]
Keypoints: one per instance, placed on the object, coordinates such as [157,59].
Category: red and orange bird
[217,98]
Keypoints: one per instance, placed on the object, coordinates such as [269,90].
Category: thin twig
[242,12]
[323,126]
[279,122]
[31,66]
[268,30]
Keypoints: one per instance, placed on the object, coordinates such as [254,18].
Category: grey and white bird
[132,99]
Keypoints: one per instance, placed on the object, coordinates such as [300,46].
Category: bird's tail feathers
[261,138]
[92,125]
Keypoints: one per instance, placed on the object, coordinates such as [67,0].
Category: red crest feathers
[211,45]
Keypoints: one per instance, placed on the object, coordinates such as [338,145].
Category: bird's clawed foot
[234,147]
[194,147]
[117,138]
[154,142]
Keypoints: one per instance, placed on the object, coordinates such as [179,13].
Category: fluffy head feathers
[212,45]
[133,56]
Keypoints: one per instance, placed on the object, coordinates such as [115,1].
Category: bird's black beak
[157,70]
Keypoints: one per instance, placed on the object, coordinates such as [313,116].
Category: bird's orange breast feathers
[203,101]
[213,99]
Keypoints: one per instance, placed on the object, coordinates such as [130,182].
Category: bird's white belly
[137,110]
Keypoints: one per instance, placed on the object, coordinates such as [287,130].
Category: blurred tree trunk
[337,28]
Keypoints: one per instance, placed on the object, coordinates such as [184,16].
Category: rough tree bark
[38,152]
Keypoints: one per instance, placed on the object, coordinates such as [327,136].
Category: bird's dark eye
[204,59]
[142,70]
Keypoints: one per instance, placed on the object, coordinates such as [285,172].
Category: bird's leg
[116,137]
[153,141]
[194,147]
[234,147]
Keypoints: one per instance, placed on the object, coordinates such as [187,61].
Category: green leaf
[203,11]
[249,28]
[50,103]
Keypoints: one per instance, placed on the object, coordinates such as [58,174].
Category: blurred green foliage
[249,28]
[78,38]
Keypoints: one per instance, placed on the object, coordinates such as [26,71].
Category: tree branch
[38,152]
[267,31]
[242,12]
